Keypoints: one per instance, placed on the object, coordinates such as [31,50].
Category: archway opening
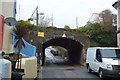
[73,47]
[56,55]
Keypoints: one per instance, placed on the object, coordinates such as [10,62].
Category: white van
[103,60]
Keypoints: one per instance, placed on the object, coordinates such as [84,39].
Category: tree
[66,27]
[52,27]
[95,33]
[44,21]
[107,19]
[114,20]
[19,33]
[27,24]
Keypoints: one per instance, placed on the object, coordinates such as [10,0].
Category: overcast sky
[64,11]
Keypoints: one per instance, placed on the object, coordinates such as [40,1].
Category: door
[97,61]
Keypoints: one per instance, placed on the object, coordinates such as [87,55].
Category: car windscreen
[110,53]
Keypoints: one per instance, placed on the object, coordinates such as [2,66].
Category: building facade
[7,9]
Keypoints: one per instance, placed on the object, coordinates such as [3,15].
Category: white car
[49,56]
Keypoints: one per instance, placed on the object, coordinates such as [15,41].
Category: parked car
[104,61]
[54,51]
[49,56]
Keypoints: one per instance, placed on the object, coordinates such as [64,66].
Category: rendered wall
[7,10]
[30,67]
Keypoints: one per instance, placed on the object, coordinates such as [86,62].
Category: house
[7,9]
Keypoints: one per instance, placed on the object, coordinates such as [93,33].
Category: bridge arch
[73,47]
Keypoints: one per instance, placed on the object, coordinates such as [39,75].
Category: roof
[116,4]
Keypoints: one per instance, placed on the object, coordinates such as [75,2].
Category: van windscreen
[110,53]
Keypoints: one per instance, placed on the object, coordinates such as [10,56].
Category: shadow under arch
[73,47]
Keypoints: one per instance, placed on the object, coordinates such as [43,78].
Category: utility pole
[19,11]
[37,16]
[76,22]
[52,19]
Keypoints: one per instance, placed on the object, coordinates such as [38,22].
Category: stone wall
[51,33]
[81,37]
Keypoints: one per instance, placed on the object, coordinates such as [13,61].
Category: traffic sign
[40,34]
[64,35]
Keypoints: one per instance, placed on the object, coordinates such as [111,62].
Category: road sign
[40,34]
[64,35]
[118,31]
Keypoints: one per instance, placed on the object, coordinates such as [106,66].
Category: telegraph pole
[52,19]
[76,22]
[37,16]
[19,11]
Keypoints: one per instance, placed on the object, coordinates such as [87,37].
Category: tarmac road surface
[62,70]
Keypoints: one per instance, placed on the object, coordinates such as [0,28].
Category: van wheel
[88,69]
[101,76]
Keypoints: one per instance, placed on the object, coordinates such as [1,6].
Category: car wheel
[88,69]
[101,74]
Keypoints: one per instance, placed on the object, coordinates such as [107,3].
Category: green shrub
[104,38]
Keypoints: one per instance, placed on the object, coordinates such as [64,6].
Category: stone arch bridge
[74,42]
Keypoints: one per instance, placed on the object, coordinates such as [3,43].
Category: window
[110,53]
[98,55]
